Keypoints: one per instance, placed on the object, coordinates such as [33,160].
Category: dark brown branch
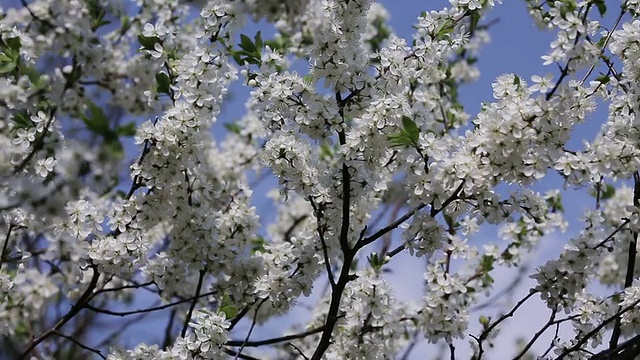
[588,335]
[485,333]
[88,348]
[305,357]
[75,309]
[325,251]
[552,321]
[334,306]
[631,262]
[410,347]
[239,317]
[296,222]
[346,184]
[239,356]
[628,350]
[380,233]
[121,329]
[275,340]
[185,326]
[6,243]
[168,338]
[123,287]
[152,309]
[253,324]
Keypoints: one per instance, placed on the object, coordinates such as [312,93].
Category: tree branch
[193,303]
[70,338]
[631,262]
[156,308]
[75,309]
[275,340]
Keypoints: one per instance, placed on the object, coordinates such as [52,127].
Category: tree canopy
[114,188]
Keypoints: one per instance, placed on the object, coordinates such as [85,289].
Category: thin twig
[274,340]
[325,251]
[88,348]
[253,324]
[167,331]
[240,356]
[139,311]
[6,243]
[485,333]
[75,309]
[631,262]
[193,303]
[588,335]
[305,357]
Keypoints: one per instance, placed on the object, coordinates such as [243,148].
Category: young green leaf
[97,121]
[128,129]
[163,83]
[148,43]
[246,44]
[608,192]
[411,129]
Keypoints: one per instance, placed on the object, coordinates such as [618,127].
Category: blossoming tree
[373,155]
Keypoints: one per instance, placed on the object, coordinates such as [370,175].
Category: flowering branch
[193,303]
[631,260]
[82,302]
[591,333]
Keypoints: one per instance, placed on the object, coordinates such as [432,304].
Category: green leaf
[7,67]
[112,149]
[445,29]
[23,120]
[148,43]
[233,127]
[34,76]
[74,75]
[237,58]
[325,152]
[486,263]
[21,330]
[258,41]
[308,79]
[163,83]
[13,43]
[5,58]
[257,244]
[280,43]
[412,130]
[246,44]
[475,19]
[603,79]
[228,308]
[608,193]
[128,129]
[602,7]
[97,122]
[516,81]
[400,140]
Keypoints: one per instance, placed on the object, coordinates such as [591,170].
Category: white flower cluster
[372,325]
[209,333]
